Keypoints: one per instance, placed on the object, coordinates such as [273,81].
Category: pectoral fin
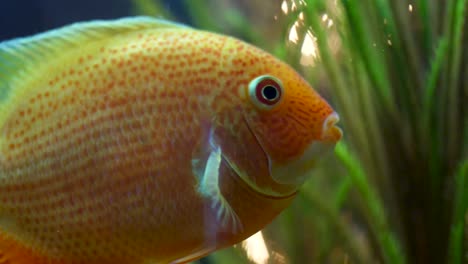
[209,187]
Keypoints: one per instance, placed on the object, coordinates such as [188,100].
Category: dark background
[20,18]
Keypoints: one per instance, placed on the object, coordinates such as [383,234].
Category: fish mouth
[298,171]
[330,132]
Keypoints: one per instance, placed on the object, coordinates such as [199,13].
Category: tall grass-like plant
[396,190]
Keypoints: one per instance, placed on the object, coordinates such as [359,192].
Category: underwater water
[394,190]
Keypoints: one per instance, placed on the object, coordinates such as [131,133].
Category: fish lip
[330,132]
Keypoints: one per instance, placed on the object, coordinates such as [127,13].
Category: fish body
[144,141]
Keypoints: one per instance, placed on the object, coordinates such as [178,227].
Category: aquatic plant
[396,190]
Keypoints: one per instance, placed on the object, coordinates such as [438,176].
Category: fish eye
[265,91]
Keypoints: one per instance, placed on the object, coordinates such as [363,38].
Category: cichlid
[145,141]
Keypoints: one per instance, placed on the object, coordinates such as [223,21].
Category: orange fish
[144,141]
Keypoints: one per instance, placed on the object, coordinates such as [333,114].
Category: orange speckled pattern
[96,153]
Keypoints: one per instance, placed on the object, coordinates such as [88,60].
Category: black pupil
[270,93]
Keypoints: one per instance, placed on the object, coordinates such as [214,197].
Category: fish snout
[330,132]
[298,170]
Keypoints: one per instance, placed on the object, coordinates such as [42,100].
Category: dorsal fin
[20,55]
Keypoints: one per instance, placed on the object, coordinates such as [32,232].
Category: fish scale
[136,141]
[114,143]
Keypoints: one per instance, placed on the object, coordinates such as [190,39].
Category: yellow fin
[209,187]
[20,56]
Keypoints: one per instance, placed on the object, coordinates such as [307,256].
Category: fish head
[293,125]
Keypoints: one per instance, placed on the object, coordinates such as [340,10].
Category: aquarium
[234,131]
